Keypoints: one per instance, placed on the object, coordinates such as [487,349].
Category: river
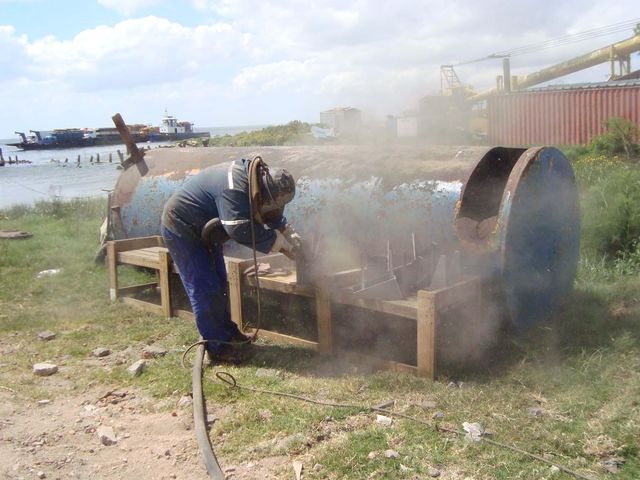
[56,174]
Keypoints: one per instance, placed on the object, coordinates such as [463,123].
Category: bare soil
[58,439]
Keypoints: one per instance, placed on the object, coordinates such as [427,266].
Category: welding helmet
[277,189]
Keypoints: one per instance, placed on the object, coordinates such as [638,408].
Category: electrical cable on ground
[231,382]
[199,417]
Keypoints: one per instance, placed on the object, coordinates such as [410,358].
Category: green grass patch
[580,369]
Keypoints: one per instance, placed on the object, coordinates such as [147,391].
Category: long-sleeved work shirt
[220,191]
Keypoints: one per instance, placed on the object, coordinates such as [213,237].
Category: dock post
[110,157]
[121,156]
[97,158]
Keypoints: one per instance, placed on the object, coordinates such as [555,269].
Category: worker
[244,201]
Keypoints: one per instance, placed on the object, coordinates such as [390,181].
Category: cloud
[128,7]
[288,59]
[134,52]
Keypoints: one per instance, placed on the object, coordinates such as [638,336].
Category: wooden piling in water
[110,157]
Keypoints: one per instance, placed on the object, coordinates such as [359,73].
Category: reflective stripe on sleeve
[230,176]
[234,222]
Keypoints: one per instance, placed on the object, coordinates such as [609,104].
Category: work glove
[282,245]
[292,236]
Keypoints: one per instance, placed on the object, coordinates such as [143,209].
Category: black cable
[231,382]
[199,417]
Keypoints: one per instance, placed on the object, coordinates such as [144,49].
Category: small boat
[169,130]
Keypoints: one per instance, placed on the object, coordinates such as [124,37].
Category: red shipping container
[560,115]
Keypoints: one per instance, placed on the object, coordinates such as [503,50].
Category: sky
[67,63]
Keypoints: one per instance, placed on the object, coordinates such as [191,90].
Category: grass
[582,369]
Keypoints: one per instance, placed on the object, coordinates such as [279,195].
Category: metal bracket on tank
[396,283]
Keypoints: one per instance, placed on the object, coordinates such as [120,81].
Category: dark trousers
[204,277]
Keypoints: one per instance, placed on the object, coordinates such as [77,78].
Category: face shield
[277,190]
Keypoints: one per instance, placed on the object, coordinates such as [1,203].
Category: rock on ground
[107,436]
[45,369]
[137,368]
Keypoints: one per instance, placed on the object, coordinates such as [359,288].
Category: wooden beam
[375,362]
[138,242]
[136,288]
[280,337]
[461,292]
[234,277]
[426,333]
[323,319]
[141,304]
[112,267]
[165,290]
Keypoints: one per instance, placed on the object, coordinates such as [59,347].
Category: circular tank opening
[477,215]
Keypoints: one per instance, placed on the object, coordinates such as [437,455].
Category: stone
[101,352]
[474,431]
[372,455]
[297,469]
[185,401]
[41,474]
[45,369]
[433,472]
[153,351]
[428,405]
[384,421]
[535,411]
[46,335]
[438,416]
[137,368]
[107,436]
[44,402]
[554,470]
[391,454]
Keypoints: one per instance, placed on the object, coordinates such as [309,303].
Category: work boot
[239,337]
[231,354]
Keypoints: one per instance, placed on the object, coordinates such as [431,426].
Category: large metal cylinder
[512,213]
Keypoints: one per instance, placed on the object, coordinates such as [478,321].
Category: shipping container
[560,115]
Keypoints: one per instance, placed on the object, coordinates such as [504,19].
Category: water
[49,177]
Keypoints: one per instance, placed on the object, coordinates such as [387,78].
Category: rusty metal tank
[511,213]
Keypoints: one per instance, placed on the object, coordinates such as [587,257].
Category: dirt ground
[58,439]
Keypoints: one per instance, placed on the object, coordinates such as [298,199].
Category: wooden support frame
[148,252]
[426,308]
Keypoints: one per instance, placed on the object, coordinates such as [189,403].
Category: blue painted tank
[512,213]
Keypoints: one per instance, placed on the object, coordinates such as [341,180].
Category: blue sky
[247,62]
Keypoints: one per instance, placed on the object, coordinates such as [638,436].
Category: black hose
[200,418]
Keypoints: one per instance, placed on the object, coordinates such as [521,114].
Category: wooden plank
[138,242]
[376,362]
[323,319]
[459,293]
[137,259]
[281,337]
[234,277]
[136,288]
[402,308]
[112,267]
[165,289]
[282,284]
[426,333]
[184,314]
[141,304]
